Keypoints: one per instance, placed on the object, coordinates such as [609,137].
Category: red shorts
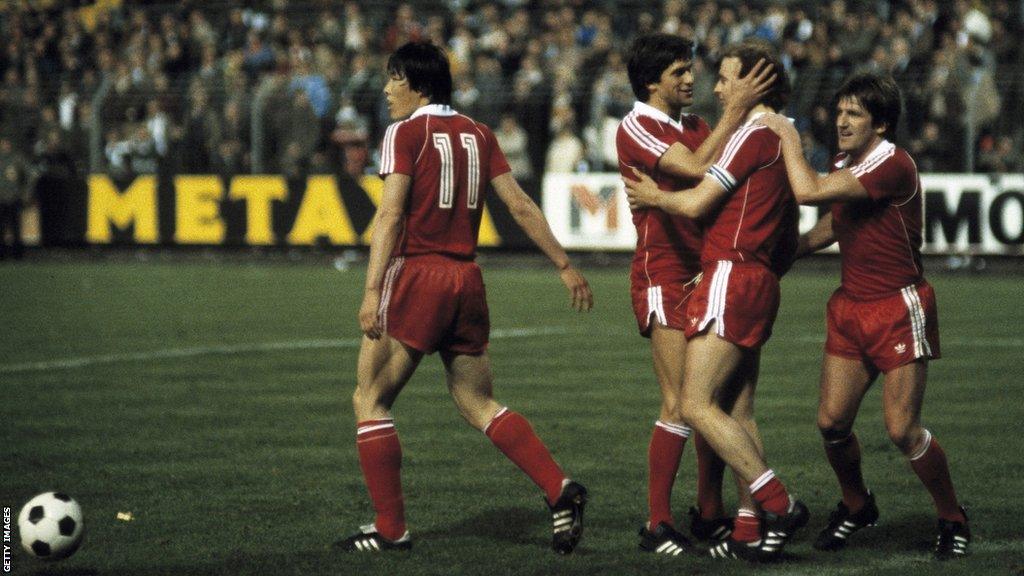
[739,301]
[888,332]
[432,303]
[660,293]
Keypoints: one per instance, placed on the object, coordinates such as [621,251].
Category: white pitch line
[171,353]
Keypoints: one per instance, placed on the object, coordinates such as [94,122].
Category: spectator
[958,63]
[1000,156]
[513,141]
[566,153]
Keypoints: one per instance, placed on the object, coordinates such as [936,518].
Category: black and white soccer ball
[51,526]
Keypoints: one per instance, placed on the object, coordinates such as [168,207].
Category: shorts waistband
[735,264]
[881,295]
[434,257]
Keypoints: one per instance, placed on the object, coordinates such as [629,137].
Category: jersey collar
[882,147]
[434,110]
[645,109]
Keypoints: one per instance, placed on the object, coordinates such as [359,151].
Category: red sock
[844,456]
[710,470]
[747,527]
[380,456]
[514,436]
[663,454]
[770,494]
[931,467]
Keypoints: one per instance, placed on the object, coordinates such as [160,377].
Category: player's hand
[579,289]
[369,319]
[641,192]
[745,92]
[779,124]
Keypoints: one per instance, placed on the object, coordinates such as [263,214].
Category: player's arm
[808,186]
[697,202]
[818,237]
[387,224]
[739,97]
[530,218]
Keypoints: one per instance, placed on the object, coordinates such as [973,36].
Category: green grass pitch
[211,401]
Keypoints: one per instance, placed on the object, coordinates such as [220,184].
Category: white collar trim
[434,110]
[645,109]
[883,147]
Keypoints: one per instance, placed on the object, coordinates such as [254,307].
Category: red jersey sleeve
[398,150]
[887,173]
[641,142]
[750,148]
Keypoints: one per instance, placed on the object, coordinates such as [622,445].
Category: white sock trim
[681,430]
[840,441]
[746,513]
[925,445]
[761,481]
[497,415]
[389,423]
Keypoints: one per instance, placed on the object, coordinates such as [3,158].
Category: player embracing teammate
[674,149]
[749,216]
[883,318]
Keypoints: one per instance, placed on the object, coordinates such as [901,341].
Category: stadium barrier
[964,213]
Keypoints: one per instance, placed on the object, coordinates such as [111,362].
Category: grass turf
[212,402]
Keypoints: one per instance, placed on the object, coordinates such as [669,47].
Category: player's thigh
[903,396]
[737,395]
[710,363]
[384,367]
[668,351]
[842,386]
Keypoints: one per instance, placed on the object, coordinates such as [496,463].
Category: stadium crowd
[294,87]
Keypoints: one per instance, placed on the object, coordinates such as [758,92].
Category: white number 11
[447,185]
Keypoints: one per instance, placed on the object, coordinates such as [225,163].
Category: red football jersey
[758,220]
[451,159]
[880,238]
[643,137]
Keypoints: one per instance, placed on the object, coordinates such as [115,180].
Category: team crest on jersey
[900,348]
[693,320]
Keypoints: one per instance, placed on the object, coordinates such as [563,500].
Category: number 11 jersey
[451,159]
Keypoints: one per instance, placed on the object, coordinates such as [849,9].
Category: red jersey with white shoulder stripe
[643,137]
[758,220]
[451,159]
[880,237]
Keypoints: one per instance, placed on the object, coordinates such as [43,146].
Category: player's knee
[366,398]
[362,400]
[832,433]
[689,411]
[904,435]
[833,427]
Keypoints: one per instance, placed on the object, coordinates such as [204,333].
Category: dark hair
[426,68]
[749,52]
[876,93]
[651,55]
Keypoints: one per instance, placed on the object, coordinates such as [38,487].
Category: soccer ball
[51,526]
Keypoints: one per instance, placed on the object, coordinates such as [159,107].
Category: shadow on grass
[906,533]
[508,525]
